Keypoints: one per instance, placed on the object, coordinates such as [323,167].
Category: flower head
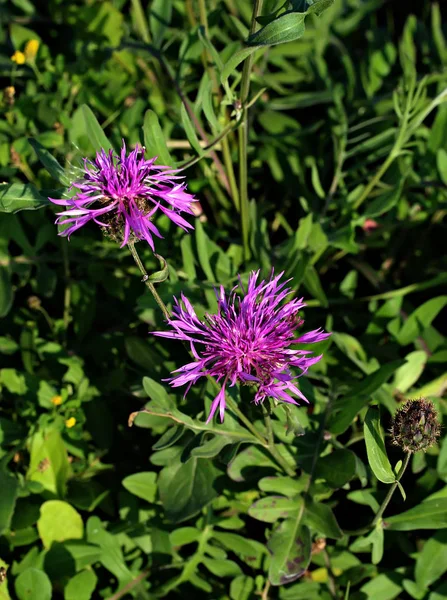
[248,341]
[71,422]
[31,48]
[122,193]
[415,426]
[18,57]
[56,400]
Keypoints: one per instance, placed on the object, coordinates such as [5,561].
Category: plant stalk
[386,500]
[392,490]
[243,139]
[146,281]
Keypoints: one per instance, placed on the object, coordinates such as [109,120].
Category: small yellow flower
[56,400]
[31,49]
[71,422]
[18,57]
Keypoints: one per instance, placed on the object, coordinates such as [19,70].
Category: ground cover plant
[222,285]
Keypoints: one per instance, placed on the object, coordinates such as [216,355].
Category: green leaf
[442,460]
[431,562]
[281,485]
[385,586]
[272,508]
[56,171]
[420,319]
[186,488]
[222,567]
[312,283]
[241,588]
[154,140]
[289,547]
[346,408]
[163,274]
[112,556]
[15,197]
[247,464]
[336,468]
[140,21]
[286,28]
[9,487]
[143,485]
[81,586]
[408,374]
[230,66]
[159,19]
[430,514]
[49,461]
[6,293]
[190,131]
[320,517]
[59,521]
[33,584]
[95,134]
[375,447]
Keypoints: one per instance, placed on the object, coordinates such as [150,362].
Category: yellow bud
[56,400]
[18,57]
[71,422]
[31,49]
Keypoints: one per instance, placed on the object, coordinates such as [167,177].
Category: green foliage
[347,182]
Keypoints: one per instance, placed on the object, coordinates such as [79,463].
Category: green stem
[385,502]
[392,489]
[271,444]
[226,153]
[146,281]
[243,139]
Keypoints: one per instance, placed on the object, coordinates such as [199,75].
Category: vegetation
[313,134]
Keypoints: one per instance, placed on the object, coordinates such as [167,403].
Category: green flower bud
[415,426]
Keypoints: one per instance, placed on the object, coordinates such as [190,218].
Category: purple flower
[123,193]
[248,341]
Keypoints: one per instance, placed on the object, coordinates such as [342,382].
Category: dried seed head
[415,426]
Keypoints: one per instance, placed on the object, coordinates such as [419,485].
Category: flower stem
[233,406]
[386,501]
[271,444]
[392,489]
[243,139]
[146,280]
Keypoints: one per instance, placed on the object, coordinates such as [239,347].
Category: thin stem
[332,586]
[216,89]
[233,406]
[146,281]
[386,501]
[129,586]
[271,444]
[243,138]
[392,489]
[268,426]
[67,291]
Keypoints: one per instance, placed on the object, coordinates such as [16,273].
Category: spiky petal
[248,341]
[123,193]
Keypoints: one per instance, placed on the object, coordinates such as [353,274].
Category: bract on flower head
[122,193]
[248,341]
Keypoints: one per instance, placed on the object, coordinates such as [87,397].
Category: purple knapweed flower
[248,341]
[123,193]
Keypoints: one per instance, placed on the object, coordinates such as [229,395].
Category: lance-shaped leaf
[375,447]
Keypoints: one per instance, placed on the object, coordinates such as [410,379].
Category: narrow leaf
[375,447]
[94,130]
